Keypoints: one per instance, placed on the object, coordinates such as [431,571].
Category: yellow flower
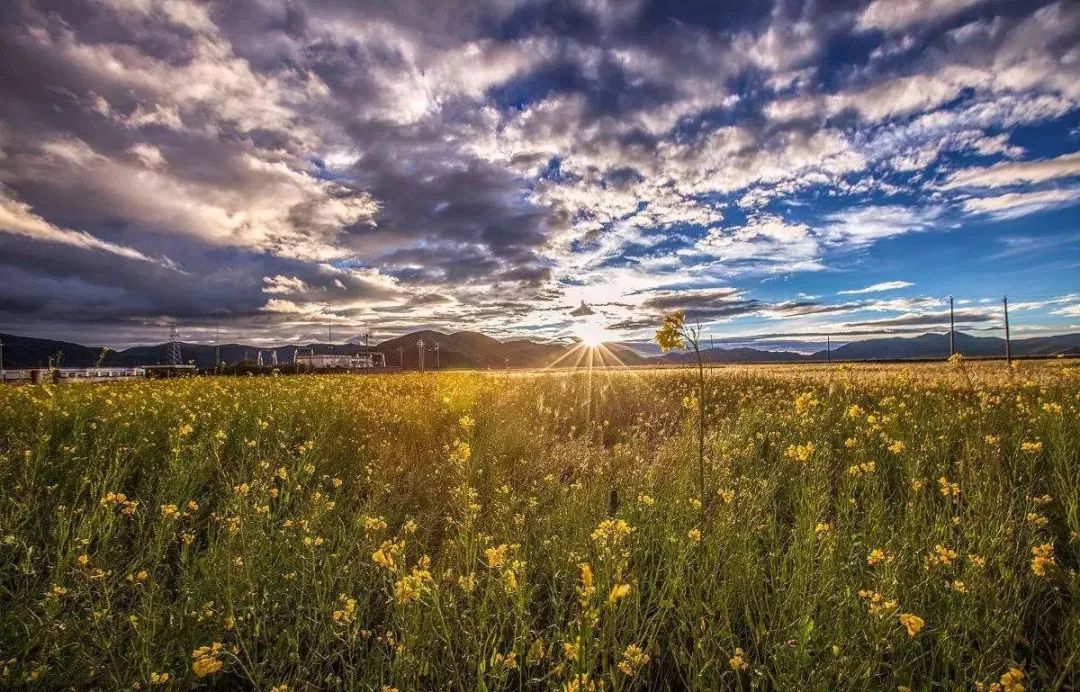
[1012,680]
[411,586]
[347,612]
[822,529]
[948,488]
[694,534]
[646,500]
[805,402]
[586,577]
[1031,447]
[877,556]
[508,661]
[800,452]
[912,623]
[854,411]
[138,577]
[633,659]
[941,556]
[897,447]
[618,592]
[611,534]
[876,603]
[1043,557]
[169,512]
[958,586]
[862,469]
[207,660]
[56,592]
[159,678]
[1037,520]
[738,661]
[728,496]
[496,555]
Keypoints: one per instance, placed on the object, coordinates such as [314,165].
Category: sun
[591,333]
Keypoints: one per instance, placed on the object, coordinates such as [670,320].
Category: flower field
[861,527]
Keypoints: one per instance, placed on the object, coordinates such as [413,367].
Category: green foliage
[867,528]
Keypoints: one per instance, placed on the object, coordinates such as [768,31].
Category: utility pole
[437,356]
[1,361]
[401,357]
[952,329]
[217,347]
[828,347]
[1008,344]
[420,355]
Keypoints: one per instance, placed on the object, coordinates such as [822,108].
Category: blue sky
[780,171]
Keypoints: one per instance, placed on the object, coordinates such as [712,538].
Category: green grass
[298,481]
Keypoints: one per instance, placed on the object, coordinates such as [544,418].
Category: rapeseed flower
[206,660]
[1042,559]
[633,659]
[912,623]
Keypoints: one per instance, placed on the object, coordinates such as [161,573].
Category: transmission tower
[173,353]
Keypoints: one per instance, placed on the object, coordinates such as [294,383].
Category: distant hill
[732,355]
[937,346]
[475,350]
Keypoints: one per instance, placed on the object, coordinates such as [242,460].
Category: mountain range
[475,350]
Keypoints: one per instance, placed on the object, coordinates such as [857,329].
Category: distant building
[59,375]
[340,361]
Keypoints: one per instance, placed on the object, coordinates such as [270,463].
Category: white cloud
[17,218]
[1016,172]
[766,239]
[1015,204]
[877,288]
[864,225]
[898,15]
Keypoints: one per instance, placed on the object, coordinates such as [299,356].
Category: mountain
[28,352]
[937,346]
[475,350]
[732,355]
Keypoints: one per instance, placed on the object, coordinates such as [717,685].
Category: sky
[269,170]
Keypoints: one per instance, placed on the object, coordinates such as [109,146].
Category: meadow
[861,527]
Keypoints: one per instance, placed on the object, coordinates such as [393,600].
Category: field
[860,528]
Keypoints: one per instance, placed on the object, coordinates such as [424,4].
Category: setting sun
[591,333]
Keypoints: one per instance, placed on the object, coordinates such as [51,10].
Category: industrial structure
[339,361]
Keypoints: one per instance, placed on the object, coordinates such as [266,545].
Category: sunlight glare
[591,333]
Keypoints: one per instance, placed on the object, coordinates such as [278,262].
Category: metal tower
[172,355]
